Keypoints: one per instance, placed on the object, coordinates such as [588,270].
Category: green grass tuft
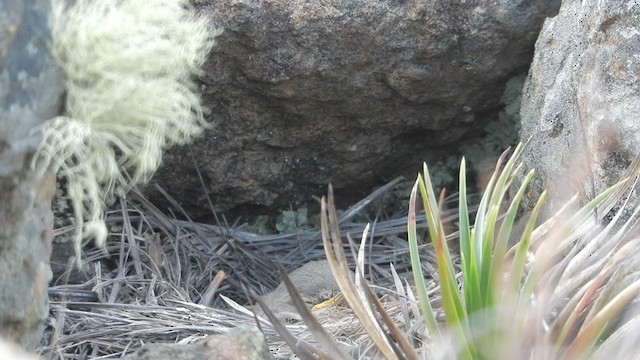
[502,307]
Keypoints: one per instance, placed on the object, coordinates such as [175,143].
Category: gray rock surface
[30,93]
[307,92]
[582,99]
[238,344]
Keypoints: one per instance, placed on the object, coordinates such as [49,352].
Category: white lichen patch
[128,66]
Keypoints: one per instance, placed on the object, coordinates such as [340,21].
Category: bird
[314,282]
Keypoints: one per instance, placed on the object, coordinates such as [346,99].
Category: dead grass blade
[397,334]
[364,290]
[301,348]
[335,255]
[325,340]
[212,288]
[163,270]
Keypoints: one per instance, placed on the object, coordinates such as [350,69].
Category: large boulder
[306,92]
[582,99]
[30,93]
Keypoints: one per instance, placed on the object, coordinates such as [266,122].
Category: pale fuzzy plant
[128,67]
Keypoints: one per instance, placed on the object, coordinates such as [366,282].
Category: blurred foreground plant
[553,291]
[512,300]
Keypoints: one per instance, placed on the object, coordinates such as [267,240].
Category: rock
[303,93]
[582,99]
[30,93]
[11,351]
[238,344]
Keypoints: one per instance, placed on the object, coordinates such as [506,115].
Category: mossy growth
[292,221]
[288,221]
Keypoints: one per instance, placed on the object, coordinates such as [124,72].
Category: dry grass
[167,280]
[171,278]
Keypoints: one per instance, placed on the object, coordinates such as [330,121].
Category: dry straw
[165,287]
[160,283]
